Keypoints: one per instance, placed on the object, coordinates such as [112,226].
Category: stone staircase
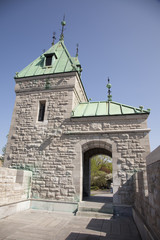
[95,209]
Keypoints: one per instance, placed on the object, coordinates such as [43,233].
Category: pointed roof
[109,108]
[62,62]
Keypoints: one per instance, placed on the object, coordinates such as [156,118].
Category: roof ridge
[64,47]
[58,60]
[69,56]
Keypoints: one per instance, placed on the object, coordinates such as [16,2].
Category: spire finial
[63,23]
[77,50]
[54,38]
[109,90]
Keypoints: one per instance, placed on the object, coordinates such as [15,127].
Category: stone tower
[55,131]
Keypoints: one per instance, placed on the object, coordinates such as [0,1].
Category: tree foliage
[3,152]
[101,171]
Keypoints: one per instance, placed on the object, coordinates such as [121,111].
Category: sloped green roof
[89,109]
[61,62]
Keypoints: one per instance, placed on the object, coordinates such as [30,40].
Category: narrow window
[48,60]
[42,105]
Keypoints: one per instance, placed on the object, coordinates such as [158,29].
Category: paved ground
[100,196]
[38,225]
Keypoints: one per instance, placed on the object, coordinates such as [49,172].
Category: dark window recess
[41,111]
[48,60]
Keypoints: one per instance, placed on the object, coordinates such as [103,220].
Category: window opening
[49,60]
[42,105]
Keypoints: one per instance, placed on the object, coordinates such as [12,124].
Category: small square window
[48,60]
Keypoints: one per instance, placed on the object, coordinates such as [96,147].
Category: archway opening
[96,174]
[101,173]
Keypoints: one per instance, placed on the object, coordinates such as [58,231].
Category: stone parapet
[147,195]
[15,185]
[153,157]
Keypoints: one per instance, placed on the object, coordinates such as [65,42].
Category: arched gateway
[89,150]
[55,130]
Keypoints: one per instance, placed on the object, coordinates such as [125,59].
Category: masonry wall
[53,149]
[122,136]
[147,194]
[15,185]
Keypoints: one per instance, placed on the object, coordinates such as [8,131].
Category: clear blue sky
[117,38]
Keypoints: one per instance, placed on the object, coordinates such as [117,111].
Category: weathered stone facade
[54,149]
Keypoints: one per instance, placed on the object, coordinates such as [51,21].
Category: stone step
[95,209]
[88,203]
[94,214]
[85,206]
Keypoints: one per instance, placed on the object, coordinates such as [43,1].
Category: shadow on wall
[147,197]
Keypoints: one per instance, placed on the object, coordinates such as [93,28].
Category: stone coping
[51,201]
[38,204]
[12,203]
[154,156]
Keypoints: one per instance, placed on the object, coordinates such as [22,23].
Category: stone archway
[89,150]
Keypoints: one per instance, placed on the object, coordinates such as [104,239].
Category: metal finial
[141,108]
[63,23]
[17,74]
[54,38]
[77,50]
[109,90]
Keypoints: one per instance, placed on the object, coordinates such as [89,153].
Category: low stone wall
[147,197]
[15,185]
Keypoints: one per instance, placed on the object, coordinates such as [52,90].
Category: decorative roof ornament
[63,23]
[17,74]
[77,50]
[109,90]
[54,38]
[141,108]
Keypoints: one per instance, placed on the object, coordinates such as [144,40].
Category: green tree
[101,171]
[3,152]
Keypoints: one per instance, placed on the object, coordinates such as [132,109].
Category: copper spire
[77,50]
[109,90]
[54,38]
[63,23]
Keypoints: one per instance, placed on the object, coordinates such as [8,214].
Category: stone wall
[53,149]
[147,196]
[122,136]
[15,185]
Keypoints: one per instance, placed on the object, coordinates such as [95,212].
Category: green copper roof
[89,109]
[61,62]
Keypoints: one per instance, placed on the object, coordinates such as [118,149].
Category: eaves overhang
[106,108]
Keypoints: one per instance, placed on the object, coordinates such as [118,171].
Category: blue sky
[117,38]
